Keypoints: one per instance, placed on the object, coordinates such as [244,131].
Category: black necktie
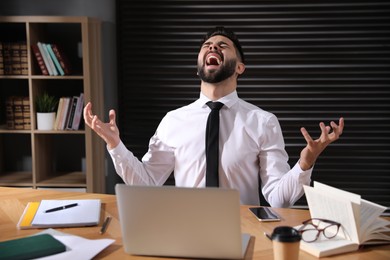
[212,146]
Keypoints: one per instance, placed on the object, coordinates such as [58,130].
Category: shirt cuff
[303,176]
[118,150]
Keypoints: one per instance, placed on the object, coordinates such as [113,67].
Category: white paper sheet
[87,212]
[77,248]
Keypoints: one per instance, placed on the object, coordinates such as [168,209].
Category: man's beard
[225,71]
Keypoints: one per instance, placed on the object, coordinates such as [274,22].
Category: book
[31,247]
[360,220]
[16,62]
[10,116]
[55,60]
[71,113]
[26,113]
[1,59]
[23,57]
[50,60]
[62,59]
[45,58]
[62,116]
[39,59]
[7,60]
[78,112]
[18,112]
[56,122]
[60,213]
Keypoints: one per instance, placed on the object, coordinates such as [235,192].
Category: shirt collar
[228,100]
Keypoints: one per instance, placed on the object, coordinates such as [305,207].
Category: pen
[268,236]
[61,208]
[105,225]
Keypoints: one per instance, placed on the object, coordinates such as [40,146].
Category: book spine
[72,111]
[59,111]
[79,112]
[16,66]
[23,58]
[45,58]
[64,113]
[26,113]
[51,63]
[62,59]
[39,58]
[1,59]
[18,113]
[10,116]
[7,60]
[55,60]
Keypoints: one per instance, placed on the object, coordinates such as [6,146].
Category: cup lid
[286,234]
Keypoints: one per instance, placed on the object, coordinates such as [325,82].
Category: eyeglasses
[312,228]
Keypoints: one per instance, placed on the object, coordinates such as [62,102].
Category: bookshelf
[63,159]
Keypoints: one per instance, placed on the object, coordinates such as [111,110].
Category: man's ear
[240,68]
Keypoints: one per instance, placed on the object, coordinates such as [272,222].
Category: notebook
[60,213]
[181,222]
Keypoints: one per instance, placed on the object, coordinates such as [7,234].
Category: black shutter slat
[307,61]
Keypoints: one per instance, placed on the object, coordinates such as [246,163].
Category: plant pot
[45,121]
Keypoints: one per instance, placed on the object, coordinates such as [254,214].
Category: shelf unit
[52,158]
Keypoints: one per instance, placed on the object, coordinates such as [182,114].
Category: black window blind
[306,62]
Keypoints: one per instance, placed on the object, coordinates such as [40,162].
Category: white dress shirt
[251,144]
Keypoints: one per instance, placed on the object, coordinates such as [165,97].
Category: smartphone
[264,214]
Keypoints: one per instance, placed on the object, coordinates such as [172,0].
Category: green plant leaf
[46,103]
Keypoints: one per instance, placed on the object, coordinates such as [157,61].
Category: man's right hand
[109,132]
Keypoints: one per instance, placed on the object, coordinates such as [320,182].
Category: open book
[360,220]
[60,213]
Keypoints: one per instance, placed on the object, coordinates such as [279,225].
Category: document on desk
[77,247]
[60,213]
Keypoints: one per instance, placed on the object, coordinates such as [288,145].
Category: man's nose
[213,47]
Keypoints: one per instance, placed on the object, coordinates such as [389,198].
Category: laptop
[181,222]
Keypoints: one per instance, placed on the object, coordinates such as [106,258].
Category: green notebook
[30,247]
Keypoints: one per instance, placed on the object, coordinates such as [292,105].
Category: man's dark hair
[220,30]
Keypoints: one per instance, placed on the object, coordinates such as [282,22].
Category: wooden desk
[14,200]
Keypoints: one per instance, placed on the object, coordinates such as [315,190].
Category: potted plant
[46,106]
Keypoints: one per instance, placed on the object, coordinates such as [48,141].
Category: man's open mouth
[213,59]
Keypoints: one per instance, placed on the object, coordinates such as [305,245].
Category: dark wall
[307,61]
